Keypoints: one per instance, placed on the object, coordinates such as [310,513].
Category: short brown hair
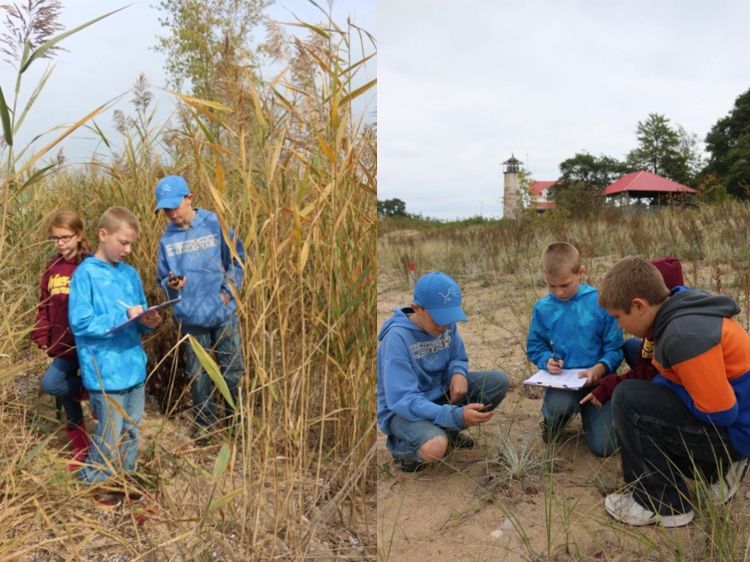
[115,218]
[630,278]
[559,258]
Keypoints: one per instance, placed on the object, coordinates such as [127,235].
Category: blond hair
[630,278]
[73,222]
[560,258]
[115,218]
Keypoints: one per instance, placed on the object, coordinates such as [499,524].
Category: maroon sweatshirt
[51,331]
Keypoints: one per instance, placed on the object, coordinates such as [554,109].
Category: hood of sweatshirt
[401,319]
[693,302]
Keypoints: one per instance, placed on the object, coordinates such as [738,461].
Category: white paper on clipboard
[567,379]
[153,308]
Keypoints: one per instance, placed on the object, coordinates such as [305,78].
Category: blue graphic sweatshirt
[111,361]
[415,369]
[582,332]
[200,254]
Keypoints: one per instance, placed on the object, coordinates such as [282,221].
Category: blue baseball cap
[170,191]
[440,295]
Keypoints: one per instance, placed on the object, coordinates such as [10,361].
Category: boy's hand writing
[590,398]
[134,311]
[459,387]
[473,415]
[554,366]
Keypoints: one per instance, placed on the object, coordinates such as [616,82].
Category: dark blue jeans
[63,381]
[661,442]
[405,437]
[224,344]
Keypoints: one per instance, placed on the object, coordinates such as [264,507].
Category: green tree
[391,208]
[208,41]
[582,179]
[665,150]
[728,144]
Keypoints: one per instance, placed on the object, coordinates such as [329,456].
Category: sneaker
[409,466]
[728,484]
[626,509]
[108,500]
[461,441]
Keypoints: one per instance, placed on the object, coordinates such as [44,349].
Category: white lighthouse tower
[512,200]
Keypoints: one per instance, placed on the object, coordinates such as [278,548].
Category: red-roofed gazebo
[643,184]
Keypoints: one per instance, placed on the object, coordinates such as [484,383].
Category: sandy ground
[501,501]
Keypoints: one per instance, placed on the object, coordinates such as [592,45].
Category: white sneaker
[729,482]
[626,509]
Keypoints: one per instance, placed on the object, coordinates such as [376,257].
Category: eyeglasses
[56,239]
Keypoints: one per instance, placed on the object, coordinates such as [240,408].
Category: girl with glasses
[51,331]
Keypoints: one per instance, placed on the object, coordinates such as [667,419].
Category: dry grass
[292,169]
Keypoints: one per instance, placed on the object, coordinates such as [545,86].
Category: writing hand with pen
[150,319]
[554,363]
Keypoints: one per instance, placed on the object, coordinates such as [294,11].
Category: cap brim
[447,316]
[169,203]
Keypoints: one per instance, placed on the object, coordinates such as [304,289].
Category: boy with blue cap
[426,393]
[195,262]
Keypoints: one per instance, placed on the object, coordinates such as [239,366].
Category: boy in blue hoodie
[195,262]
[569,329]
[104,293]
[426,393]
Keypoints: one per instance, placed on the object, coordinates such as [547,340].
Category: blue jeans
[560,405]
[63,381]
[661,442]
[405,437]
[224,342]
[114,444]
[631,351]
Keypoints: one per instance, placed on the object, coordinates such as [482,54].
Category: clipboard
[567,379]
[134,319]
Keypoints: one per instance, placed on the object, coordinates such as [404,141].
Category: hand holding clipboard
[144,315]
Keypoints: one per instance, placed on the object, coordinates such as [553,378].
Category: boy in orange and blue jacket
[695,415]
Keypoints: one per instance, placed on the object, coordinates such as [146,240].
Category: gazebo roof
[646,183]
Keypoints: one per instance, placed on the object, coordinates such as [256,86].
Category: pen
[555,355]
[126,305]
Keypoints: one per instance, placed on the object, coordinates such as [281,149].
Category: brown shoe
[108,500]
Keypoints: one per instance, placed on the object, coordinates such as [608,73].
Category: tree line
[663,148]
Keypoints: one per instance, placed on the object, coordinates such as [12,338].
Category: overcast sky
[104,60]
[463,85]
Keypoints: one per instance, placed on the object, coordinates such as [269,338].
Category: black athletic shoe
[461,441]
[409,466]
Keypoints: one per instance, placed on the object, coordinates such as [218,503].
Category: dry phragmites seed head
[35,21]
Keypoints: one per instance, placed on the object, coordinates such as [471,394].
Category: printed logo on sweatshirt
[195,245]
[58,284]
[424,348]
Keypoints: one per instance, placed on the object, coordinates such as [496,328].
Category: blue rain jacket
[581,332]
[110,361]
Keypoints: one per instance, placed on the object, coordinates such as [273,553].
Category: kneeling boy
[426,393]
[695,415]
